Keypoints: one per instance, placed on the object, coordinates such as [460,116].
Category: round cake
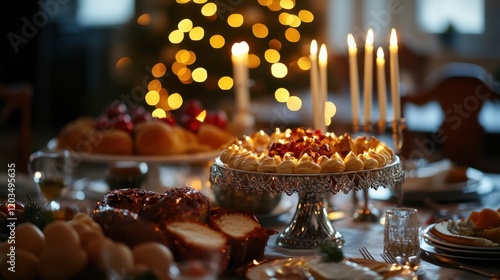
[305,151]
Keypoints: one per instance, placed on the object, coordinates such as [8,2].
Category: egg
[61,262]
[60,234]
[117,257]
[25,267]
[155,256]
[94,250]
[30,238]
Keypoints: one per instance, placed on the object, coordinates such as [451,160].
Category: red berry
[103,122]
[192,108]
[124,122]
[116,109]
[192,124]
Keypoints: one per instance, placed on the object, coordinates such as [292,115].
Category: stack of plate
[434,245]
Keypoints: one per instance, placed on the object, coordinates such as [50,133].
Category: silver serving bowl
[250,201]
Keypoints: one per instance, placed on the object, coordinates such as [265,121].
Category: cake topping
[306,151]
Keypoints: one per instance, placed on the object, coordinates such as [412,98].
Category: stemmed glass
[52,171]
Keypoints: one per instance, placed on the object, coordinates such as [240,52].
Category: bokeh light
[185,25]
[175,101]
[217,41]
[279,70]
[159,70]
[176,36]
[152,97]
[144,19]
[272,55]
[154,85]
[159,113]
[260,30]
[330,109]
[200,75]
[225,83]
[209,9]
[282,95]
[235,20]
[123,62]
[197,33]
[294,103]
[253,61]
[292,35]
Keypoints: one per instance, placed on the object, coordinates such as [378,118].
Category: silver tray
[310,224]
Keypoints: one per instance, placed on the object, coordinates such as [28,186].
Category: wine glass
[52,171]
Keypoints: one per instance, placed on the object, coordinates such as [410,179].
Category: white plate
[203,157]
[427,234]
[432,251]
[466,252]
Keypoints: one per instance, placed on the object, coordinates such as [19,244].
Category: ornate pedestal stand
[310,224]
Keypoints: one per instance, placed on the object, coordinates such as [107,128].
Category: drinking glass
[401,236]
[52,171]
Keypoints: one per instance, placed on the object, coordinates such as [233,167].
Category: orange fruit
[488,218]
[474,216]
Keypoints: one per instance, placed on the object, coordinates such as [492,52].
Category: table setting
[201,196]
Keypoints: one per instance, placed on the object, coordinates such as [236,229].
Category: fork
[365,253]
[389,258]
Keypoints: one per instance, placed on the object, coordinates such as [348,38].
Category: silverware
[365,253]
[389,258]
[459,265]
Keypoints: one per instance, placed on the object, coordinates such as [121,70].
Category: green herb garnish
[330,251]
[37,215]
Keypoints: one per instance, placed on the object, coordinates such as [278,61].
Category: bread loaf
[194,240]
[157,138]
[244,233]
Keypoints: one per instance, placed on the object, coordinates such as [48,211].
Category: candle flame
[380,53]
[394,39]
[350,41]
[240,48]
[323,56]
[369,37]
[314,47]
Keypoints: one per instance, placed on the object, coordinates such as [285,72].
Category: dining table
[89,186]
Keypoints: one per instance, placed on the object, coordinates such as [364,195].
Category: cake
[244,234]
[305,151]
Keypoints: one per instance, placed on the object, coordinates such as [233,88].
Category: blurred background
[74,57]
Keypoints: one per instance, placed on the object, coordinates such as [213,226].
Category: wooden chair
[18,98]
[461,90]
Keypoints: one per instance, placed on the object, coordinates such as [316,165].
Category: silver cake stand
[310,224]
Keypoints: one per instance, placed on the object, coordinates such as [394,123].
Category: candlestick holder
[355,126]
[397,134]
[243,123]
[382,126]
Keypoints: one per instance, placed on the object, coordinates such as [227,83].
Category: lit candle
[354,78]
[382,91]
[314,83]
[368,77]
[394,70]
[323,58]
[240,71]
